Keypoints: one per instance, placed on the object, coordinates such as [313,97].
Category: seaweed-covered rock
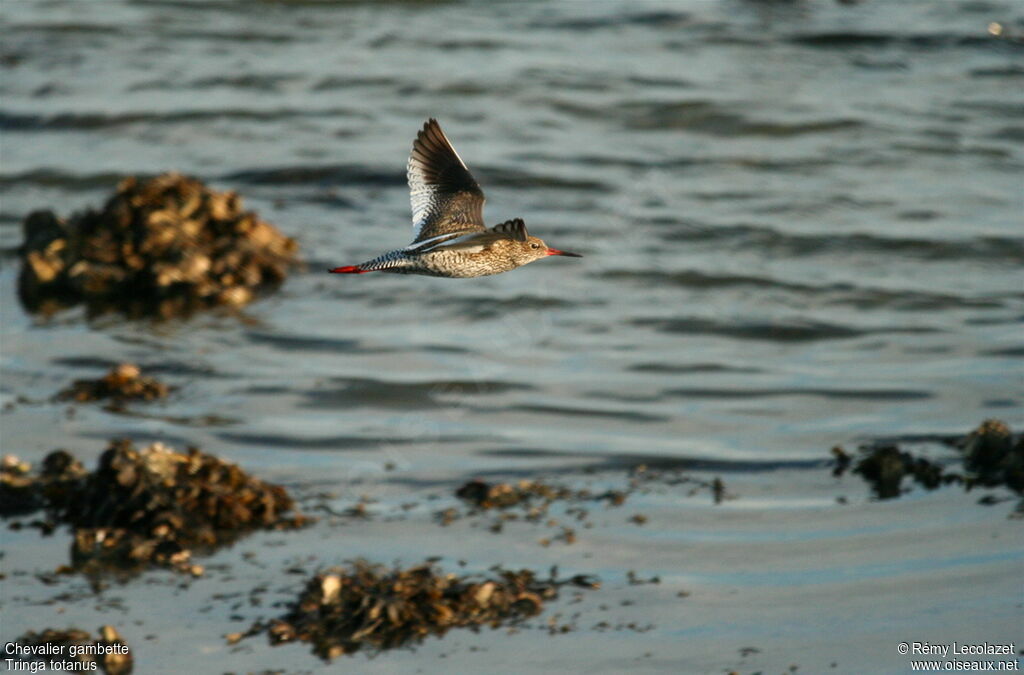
[884,467]
[156,505]
[343,610]
[123,383]
[994,457]
[73,650]
[22,492]
[161,247]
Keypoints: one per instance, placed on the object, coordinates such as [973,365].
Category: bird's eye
[534,245]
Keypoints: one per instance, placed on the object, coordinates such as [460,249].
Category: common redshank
[447,216]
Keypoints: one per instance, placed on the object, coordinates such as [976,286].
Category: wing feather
[444,195]
[513,229]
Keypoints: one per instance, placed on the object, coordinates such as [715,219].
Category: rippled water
[802,227]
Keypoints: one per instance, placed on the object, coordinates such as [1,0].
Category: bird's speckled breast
[457,264]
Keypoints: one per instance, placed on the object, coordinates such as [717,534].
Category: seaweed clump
[884,467]
[124,382]
[22,492]
[992,456]
[161,247]
[485,496]
[155,505]
[75,650]
[531,498]
[343,610]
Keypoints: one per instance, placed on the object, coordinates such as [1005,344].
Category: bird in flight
[447,216]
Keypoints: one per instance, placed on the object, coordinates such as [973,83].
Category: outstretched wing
[445,198]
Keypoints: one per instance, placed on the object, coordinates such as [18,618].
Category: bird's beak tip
[555,251]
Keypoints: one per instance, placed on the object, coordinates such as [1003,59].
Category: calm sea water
[802,224]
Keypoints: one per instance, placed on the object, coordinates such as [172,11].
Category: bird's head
[534,248]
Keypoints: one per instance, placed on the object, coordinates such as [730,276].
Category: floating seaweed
[842,461]
[153,506]
[161,247]
[531,500]
[992,457]
[643,475]
[74,650]
[123,383]
[504,495]
[344,610]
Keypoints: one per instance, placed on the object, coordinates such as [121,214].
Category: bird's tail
[391,261]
